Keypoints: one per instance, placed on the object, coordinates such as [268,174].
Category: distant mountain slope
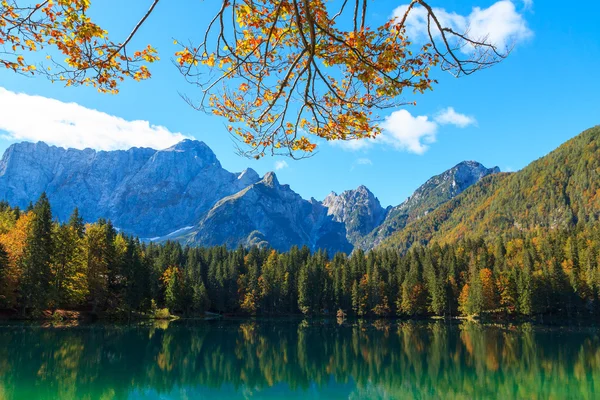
[555,191]
[143,191]
[427,198]
[269,213]
[359,210]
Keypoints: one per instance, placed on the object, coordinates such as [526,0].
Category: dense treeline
[47,265]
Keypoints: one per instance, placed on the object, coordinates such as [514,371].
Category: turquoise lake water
[270,359]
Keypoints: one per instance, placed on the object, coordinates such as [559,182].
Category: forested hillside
[557,191]
[428,197]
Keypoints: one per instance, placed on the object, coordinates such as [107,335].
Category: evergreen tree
[524,286]
[304,292]
[200,300]
[97,264]
[76,223]
[475,302]
[37,273]
[414,295]
[173,289]
[4,276]
[69,267]
[135,276]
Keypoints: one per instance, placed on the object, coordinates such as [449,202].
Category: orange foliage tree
[14,242]
[282,72]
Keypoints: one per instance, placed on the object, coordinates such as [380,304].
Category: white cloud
[449,116]
[353,145]
[405,132]
[528,4]
[37,118]
[280,165]
[359,162]
[499,24]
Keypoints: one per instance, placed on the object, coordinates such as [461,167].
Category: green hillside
[555,191]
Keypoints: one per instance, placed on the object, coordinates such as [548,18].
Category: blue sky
[544,93]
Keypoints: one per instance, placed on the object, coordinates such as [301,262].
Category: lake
[294,359]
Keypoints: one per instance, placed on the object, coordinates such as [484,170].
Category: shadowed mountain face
[183,193]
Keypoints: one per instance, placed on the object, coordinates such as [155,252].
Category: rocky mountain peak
[270,179]
[330,198]
[189,149]
[248,177]
[475,168]
[436,191]
[463,175]
[189,145]
[358,209]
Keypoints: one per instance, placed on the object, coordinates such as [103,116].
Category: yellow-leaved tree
[281,72]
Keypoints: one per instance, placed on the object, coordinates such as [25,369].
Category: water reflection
[271,359]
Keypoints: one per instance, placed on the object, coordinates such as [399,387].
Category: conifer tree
[4,275]
[524,286]
[76,223]
[304,292]
[474,304]
[97,264]
[69,267]
[37,273]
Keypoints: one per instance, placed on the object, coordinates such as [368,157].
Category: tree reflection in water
[358,360]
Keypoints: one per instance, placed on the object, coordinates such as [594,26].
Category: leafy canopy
[281,72]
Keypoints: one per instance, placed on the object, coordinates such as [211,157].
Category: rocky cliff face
[183,193]
[270,213]
[359,210]
[143,191]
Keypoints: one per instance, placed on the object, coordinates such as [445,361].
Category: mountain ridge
[433,193]
[558,190]
[183,193]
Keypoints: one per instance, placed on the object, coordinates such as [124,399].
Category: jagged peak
[190,149]
[30,145]
[361,190]
[330,197]
[188,145]
[471,164]
[270,179]
[249,175]
[41,145]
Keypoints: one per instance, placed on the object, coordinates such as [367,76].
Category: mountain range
[183,193]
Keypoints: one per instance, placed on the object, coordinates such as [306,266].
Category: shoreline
[88,317]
